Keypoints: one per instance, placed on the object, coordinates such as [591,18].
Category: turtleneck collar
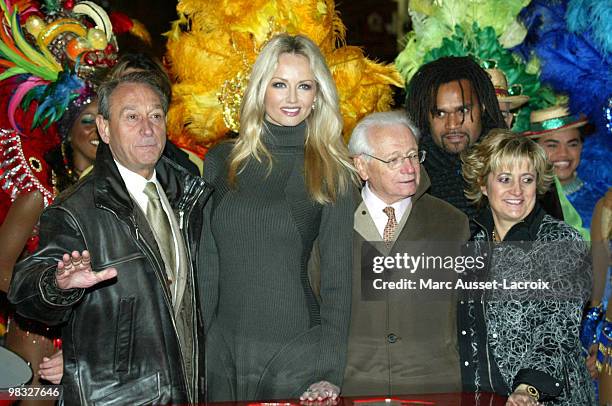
[280,136]
[524,230]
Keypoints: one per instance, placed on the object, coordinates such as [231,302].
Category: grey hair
[359,144]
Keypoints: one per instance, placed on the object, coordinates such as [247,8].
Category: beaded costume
[51,55]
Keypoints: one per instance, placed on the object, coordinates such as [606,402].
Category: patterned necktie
[158,220]
[391,225]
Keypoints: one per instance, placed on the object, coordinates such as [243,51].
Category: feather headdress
[40,50]
[571,62]
[578,65]
[47,55]
[213,44]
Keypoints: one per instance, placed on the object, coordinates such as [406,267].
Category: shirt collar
[376,205]
[134,182]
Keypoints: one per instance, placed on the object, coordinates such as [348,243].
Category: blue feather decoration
[55,98]
[573,63]
[594,17]
[577,15]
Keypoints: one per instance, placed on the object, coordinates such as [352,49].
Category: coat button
[392,338]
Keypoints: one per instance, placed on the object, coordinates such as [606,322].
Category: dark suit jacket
[405,342]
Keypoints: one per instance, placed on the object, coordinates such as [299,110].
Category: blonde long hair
[327,167]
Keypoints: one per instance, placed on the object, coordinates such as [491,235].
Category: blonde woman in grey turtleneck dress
[282,185]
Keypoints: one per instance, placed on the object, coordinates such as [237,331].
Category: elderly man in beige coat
[399,343]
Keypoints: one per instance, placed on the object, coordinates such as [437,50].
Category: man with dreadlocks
[452,101]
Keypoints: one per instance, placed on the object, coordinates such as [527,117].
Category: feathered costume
[44,56]
[577,64]
[215,42]
[48,54]
[572,39]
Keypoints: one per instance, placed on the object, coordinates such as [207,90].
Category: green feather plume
[434,20]
[453,28]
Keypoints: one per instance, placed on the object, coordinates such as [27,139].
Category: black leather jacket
[120,337]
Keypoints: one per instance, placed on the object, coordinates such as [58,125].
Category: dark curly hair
[422,91]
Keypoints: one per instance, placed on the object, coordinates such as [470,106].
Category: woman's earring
[314,103]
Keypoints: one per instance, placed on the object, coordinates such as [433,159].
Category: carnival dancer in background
[48,136]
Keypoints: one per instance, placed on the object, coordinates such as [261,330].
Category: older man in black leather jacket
[129,308]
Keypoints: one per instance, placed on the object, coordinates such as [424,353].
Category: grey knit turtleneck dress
[268,335]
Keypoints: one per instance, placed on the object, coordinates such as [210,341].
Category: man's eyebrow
[133,107]
[454,108]
[128,107]
[403,152]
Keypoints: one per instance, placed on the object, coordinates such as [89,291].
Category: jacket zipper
[167,299]
[185,231]
[489,252]
[482,305]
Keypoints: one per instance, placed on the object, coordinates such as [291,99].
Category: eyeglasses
[415,158]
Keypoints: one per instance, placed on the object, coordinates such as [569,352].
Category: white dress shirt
[135,185]
[375,207]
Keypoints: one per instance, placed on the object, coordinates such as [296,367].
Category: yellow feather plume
[213,44]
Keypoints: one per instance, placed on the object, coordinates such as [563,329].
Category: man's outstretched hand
[74,271]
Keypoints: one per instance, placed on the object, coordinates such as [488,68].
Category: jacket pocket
[115,259]
[125,334]
[144,391]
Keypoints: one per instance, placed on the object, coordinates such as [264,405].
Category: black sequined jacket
[508,337]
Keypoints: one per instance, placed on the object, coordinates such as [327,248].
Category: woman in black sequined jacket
[520,338]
